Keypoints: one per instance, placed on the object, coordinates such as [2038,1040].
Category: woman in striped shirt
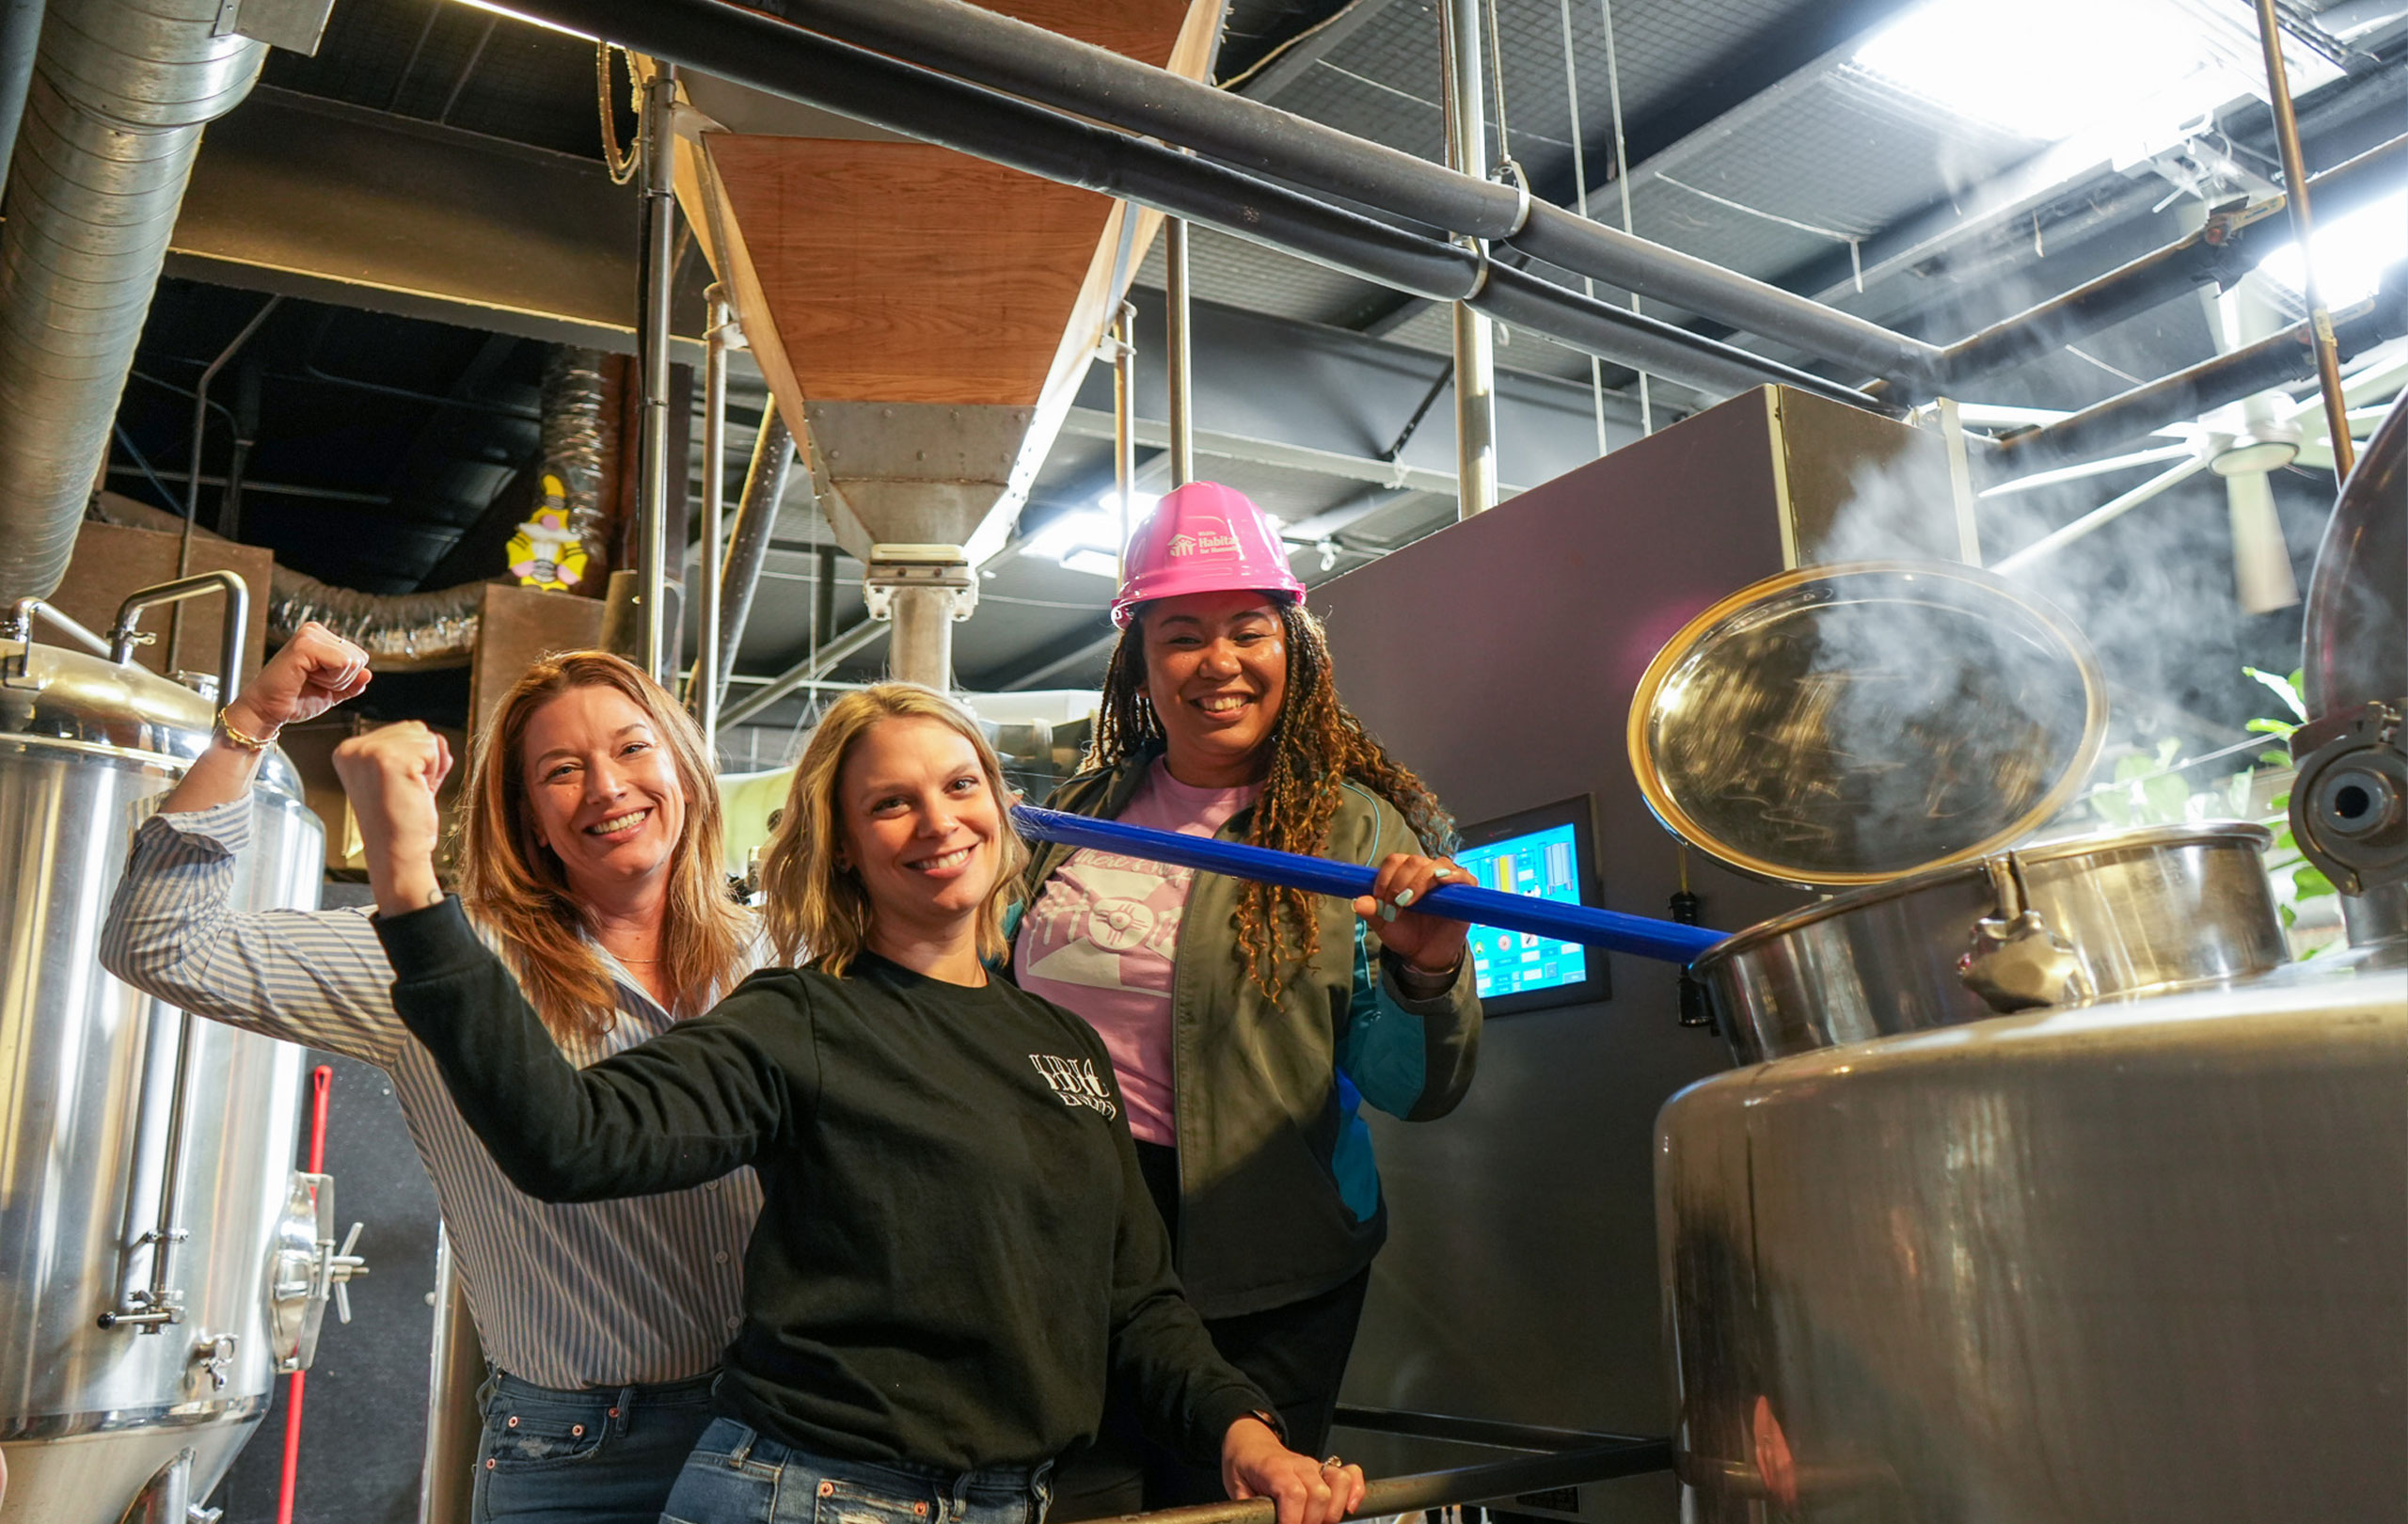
[591,858]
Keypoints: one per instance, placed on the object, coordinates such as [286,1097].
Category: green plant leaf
[2271,727]
[2169,799]
[2290,916]
[2274,759]
[2167,750]
[2115,809]
[2309,882]
[2286,689]
[2280,801]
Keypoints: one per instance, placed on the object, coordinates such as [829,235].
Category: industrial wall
[1498,658]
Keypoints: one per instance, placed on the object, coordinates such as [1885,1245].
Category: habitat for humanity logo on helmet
[1205,537]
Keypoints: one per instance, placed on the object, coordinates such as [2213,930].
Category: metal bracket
[215,1357]
[892,567]
[2350,802]
[294,25]
[306,1271]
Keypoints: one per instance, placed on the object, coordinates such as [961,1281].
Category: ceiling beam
[1804,48]
[330,202]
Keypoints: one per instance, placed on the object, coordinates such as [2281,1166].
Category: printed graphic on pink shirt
[1102,940]
[1109,922]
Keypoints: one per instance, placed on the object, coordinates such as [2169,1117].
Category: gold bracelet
[241,741]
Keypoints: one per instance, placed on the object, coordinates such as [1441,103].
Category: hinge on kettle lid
[2015,962]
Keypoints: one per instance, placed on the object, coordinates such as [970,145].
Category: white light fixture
[1087,539]
[2049,69]
[2351,253]
[2262,445]
[522,16]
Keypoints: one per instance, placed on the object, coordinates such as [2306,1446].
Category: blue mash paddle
[1666,941]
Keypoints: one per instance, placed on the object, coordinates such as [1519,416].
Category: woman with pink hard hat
[1248,1024]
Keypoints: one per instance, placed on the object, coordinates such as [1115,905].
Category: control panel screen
[1543,853]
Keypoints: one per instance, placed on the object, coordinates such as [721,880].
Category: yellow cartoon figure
[547,553]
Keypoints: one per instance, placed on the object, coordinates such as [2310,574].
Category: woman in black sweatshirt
[956,1245]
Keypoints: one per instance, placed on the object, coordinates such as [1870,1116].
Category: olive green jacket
[1279,1196]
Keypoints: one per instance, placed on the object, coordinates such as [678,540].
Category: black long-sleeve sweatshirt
[954,1242]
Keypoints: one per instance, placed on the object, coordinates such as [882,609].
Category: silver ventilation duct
[120,92]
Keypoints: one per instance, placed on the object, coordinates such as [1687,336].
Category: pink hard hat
[1203,538]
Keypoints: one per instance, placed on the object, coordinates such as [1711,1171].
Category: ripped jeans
[737,1476]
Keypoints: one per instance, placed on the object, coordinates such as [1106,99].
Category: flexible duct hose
[120,92]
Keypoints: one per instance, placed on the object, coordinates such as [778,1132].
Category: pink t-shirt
[1101,939]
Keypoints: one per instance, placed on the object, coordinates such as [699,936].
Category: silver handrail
[126,634]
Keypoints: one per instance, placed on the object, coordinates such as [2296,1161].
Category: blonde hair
[512,884]
[819,911]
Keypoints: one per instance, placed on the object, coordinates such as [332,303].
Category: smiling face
[603,792]
[921,826]
[1216,670]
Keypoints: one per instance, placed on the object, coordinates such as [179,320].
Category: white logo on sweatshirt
[1075,1083]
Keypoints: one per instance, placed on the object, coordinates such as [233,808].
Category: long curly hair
[512,884]
[1317,747]
[818,912]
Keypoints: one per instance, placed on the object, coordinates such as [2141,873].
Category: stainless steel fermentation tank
[2132,1257]
[160,1259]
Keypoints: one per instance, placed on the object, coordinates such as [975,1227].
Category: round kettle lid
[50,696]
[1842,725]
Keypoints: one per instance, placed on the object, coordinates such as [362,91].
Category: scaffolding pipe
[832,655]
[2320,322]
[653,336]
[1178,355]
[701,686]
[1475,349]
[1124,429]
[747,542]
[771,54]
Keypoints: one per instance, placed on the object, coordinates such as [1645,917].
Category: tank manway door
[305,1270]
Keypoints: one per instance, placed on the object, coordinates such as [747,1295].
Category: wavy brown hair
[512,885]
[1317,747]
[818,911]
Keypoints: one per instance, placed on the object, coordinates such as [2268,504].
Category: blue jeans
[584,1457]
[736,1476]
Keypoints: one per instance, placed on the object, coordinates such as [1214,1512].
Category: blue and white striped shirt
[602,1295]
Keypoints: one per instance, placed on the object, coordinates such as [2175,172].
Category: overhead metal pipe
[962,40]
[2295,186]
[653,336]
[929,104]
[2273,361]
[747,542]
[1178,338]
[113,119]
[1475,350]
[1648,344]
[2220,251]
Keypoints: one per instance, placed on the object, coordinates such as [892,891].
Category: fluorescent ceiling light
[2049,69]
[522,16]
[2351,253]
[1086,539]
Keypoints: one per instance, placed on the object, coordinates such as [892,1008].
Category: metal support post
[701,695]
[924,589]
[1177,334]
[2328,360]
[1124,423]
[660,152]
[1475,352]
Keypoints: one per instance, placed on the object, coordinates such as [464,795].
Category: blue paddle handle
[1667,942]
